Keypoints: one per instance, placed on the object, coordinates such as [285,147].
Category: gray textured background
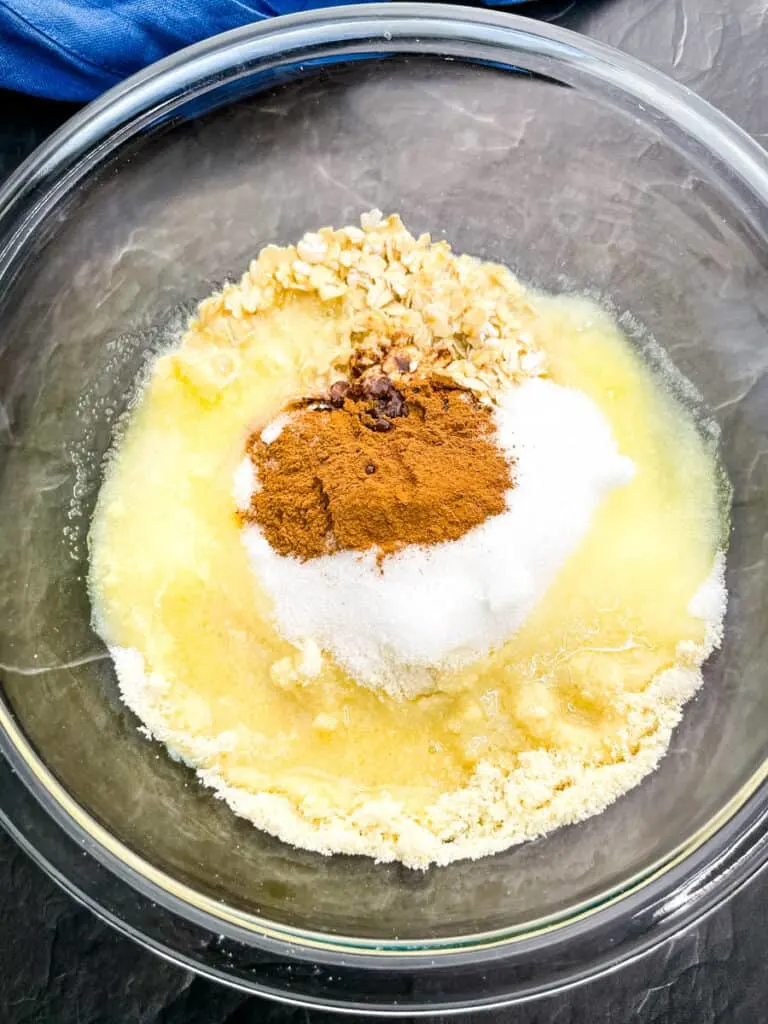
[60,964]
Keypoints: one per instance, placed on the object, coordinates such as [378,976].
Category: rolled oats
[406,306]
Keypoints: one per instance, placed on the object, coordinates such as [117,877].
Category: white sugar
[274,429]
[244,484]
[429,608]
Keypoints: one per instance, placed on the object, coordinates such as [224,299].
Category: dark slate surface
[60,965]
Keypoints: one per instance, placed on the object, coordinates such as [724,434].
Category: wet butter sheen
[331,765]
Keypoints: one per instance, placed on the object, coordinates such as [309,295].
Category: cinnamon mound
[378,466]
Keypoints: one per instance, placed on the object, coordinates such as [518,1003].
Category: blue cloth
[75,49]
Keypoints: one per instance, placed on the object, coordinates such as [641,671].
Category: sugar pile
[395,628]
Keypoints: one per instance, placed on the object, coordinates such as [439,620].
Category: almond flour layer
[546,728]
[498,807]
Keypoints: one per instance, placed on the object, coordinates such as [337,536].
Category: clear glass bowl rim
[669,897]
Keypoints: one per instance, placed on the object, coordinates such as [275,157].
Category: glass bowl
[579,168]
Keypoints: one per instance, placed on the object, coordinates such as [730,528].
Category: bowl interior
[572,193]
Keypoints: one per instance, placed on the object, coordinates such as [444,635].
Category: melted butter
[169,577]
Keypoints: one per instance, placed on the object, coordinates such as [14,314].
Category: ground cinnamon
[374,465]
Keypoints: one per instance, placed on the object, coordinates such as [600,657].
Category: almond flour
[555,702]
[497,808]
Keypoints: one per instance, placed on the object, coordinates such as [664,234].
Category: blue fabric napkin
[75,49]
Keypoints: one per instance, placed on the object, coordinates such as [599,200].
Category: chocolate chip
[370,468]
[379,387]
[403,363]
[338,392]
[395,406]
[380,426]
[387,400]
